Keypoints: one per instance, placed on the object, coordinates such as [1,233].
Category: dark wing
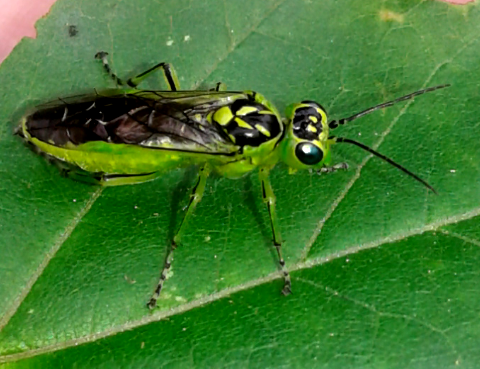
[156,119]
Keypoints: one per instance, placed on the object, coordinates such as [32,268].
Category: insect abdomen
[97,119]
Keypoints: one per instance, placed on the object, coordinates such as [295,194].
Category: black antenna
[335,123]
[383,157]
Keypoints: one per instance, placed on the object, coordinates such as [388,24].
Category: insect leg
[220,86]
[103,179]
[102,55]
[269,199]
[195,198]
[125,179]
[334,168]
[168,73]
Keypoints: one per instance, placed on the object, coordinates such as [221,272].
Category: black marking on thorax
[247,122]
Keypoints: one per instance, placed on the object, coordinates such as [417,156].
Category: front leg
[269,199]
[334,168]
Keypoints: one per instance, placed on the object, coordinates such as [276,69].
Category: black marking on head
[313,103]
[308,153]
[307,122]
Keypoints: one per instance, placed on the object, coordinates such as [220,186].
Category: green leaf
[385,274]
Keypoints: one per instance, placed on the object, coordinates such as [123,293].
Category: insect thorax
[247,122]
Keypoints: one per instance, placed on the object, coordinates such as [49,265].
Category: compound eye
[308,153]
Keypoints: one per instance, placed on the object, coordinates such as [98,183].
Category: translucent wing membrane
[144,118]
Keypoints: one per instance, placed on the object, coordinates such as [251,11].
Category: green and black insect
[126,136]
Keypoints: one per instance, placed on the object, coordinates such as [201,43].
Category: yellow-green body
[231,161]
[119,137]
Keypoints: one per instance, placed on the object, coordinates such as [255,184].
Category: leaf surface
[385,274]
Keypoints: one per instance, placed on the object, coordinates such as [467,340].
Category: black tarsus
[168,74]
[335,123]
[388,160]
[102,55]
